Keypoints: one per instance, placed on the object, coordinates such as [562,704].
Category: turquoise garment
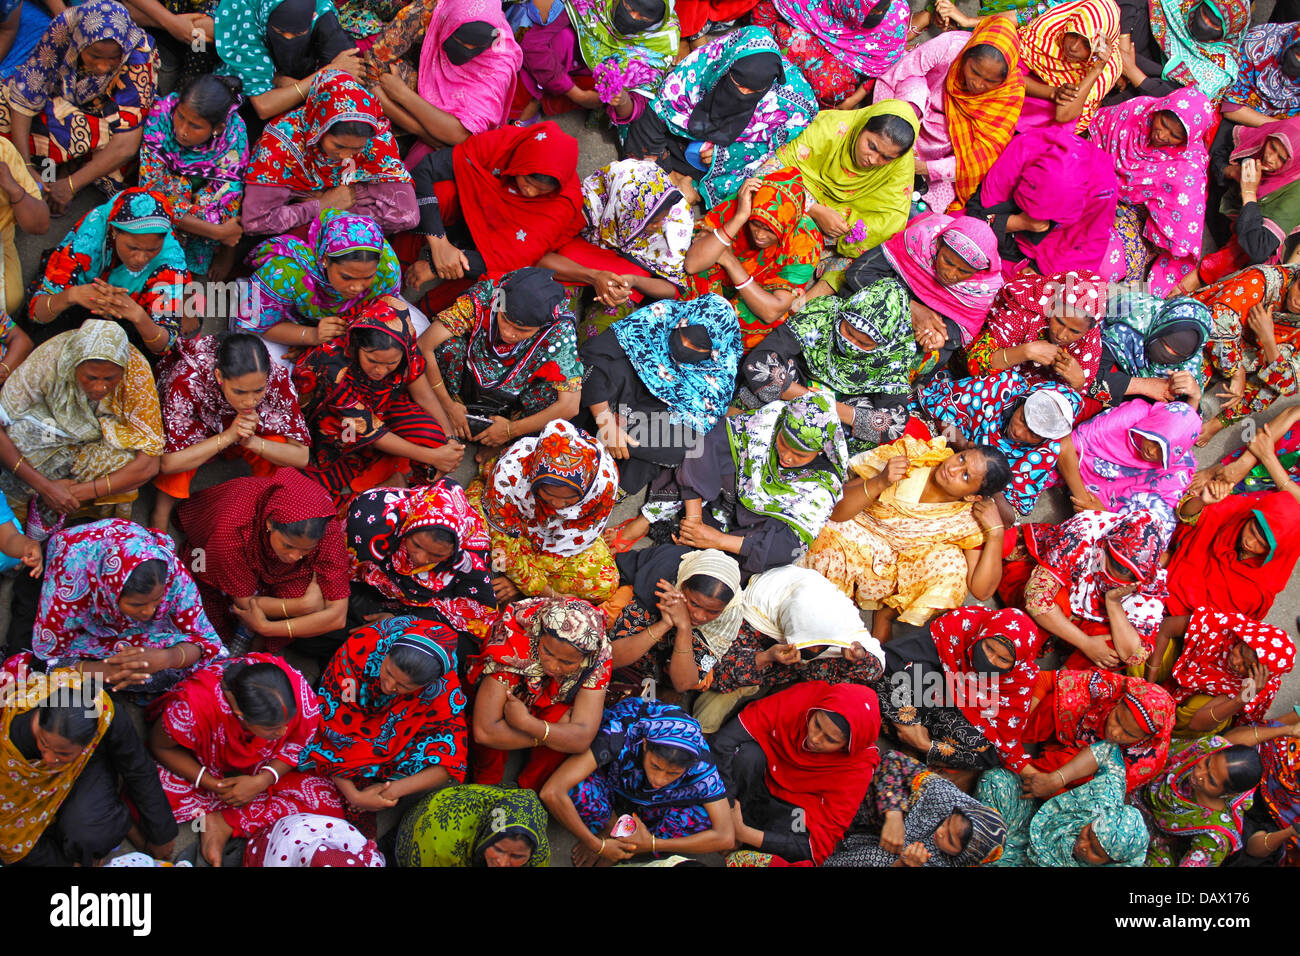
[1135,323]
[1118,827]
[7,517]
[241,27]
[1000,789]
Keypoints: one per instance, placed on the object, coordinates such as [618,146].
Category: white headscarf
[799,607]
[720,633]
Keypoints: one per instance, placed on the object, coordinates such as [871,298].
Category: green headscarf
[881,312]
[1118,827]
[655,48]
[454,825]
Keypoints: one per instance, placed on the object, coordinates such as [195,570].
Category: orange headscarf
[981,124]
[1040,47]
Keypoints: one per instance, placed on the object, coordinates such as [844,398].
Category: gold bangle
[162,334]
[1062,776]
[601,851]
[303,337]
[1213,716]
[289,624]
[284,609]
[108,480]
[71,184]
[653,850]
[300,92]
[438,384]
[1006,358]
[18,464]
[1257,735]
[548,731]
[7,368]
[94,487]
[261,449]
[507,428]
[996,527]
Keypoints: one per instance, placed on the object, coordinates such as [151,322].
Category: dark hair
[709,586]
[1244,768]
[262,692]
[989,54]
[673,756]
[970,829]
[894,128]
[146,578]
[420,666]
[357,255]
[374,339]
[353,128]
[211,96]
[438,533]
[840,721]
[313,528]
[240,353]
[69,721]
[997,470]
[550,182]
[877,14]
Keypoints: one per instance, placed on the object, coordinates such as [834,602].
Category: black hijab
[468,41]
[532,298]
[323,40]
[1182,339]
[723,112]
[651,13]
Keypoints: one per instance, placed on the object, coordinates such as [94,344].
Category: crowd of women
[864,286]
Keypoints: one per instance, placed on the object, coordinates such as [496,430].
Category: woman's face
[243,392]
[951,836]
[556,497]
[1018,431]
[1242,659]
[999,655]
[393,681]
[339,149]
[136,251]
[1076,48]
[512,333]
[142,607]
[351,279]
[559,659]
[101,57]
[290,549]
[423,550]
[1252,543]
[1088,849]
[761,236]
[189,128]
[659,773]
[378,364]
[1210,775]
[860,339]
[1066,329]
[950,268]
[1122,727]
[701,607]
[55,751]
[875,149]
[980,76]
[531,188]
[1167,130]
[1150,451]
[1274,156]
[960,475]
[97,379]
[823,736]
[1118,572]
[791,457]
[508,851]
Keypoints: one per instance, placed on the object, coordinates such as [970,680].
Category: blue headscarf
[619,753]
[1136,322]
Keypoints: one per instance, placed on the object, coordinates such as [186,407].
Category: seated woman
[1245,309]
[228,741]
[525,179]
[1152,349]
[809,748]
[1181,44]
[1158,146]
[650,760]
[1133,457]
[546,502]
[923,819]
[1050,198]
[194,153]
[1228,672]
[1048,328]
[116,601]
[1096,583]
[369,408]
[82,94]
[63,761]
[967,90]
[1277,807]
[224,396]
[860,347]
[1025,422]
[1267,81]
[336,152]
[307,293]
[1071,60]
[466,79]
[658,382]
[857,168]
[506,352]
[834,44]
[392,714]
[952,272]
[541,684]
[770,479]
[122,262]
[474,826]
[279,48]
[723,110]
[1091,825]
[311,839]
[915,531]
[273,564]
[990,659]
[81,411]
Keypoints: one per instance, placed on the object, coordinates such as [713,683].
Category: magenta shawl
[479,92]
[911,253]
[838,25]
[1248,141]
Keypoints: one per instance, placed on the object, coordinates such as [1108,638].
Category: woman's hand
[1253,682]
[1260,320]
[1100,653]
[915,854]
[242,790]
[895,471]
[244,426]
[611,288]
[516,714]
[446,457]
[1088,502]
[672,606]
[616,850]
[252,616]
[786,654]
[1068,369]
[1263,445]
[1215,491]
[1251,174]
[60,195]
[58,496]
[855,653]
[1232,394]
[744,204]
[373,798]
[329,327]
[349,61]
[986,514]
[611,434]
[1041,353]
[1034,783]
[696,534]
[228,233]
[496,434]
[928,327]
[829,221]
[33,558]
[448,261]
[1183,383]
[340,197]
[419,274]
[1115,596]
[893,833]
[459,421]
[135,665]
[949,14]
[505,589]
[706,154]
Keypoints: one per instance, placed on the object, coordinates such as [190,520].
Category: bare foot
[1209,430]
[216,834]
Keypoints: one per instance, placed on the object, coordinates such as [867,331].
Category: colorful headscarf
[222,156]
[1280,786]
[1202,667]
[912,253]
[838,24]
[571,620]
[1084,700]
[1169,799]
[478,92]
[1210,65]
[801,498]
[720,633]
[1019,315]
[561,455]
[981,125]
[1040,49]
[618,202]
[619,751]
[1260,83]
[241,27]
[1279,205]
[934,799]
[652,51]
[451,827]
[1136,320]
[1100,801]
[879,311]
[289,155]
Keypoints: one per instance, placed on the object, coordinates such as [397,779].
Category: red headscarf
[1202,667]
[829,787]
[1204,570]
[1083,701]
[510,230]
[1000,717]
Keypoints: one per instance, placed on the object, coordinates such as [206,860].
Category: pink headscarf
[1247,141]
[1168,181]
[479,92]
[912,251]
[1054,175]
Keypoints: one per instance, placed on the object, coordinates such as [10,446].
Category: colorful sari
[620,200]
[1136,321]
[477,92]
[452,827]
[1210,66]
[1278,195]
[1040,52]
[1183,832]
[641,59]
[1260,83]
[1202,667]
[241,27]
[1280,786]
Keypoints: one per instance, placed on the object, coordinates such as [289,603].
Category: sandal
[621,544]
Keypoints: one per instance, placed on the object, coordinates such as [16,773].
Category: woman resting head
[474,826]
